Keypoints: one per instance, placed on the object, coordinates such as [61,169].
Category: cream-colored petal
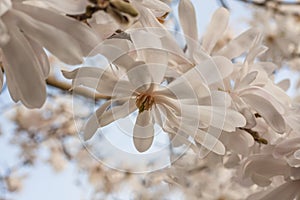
[92,123]
[238,45]
[61,44]
[187,16]
[83,34]
[24,78]
[210,142]
[266,110]
[215,29]
[143,132]
[215,69]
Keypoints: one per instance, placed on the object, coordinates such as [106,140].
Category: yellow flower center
[144,102]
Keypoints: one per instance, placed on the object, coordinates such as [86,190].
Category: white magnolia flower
[173,106]
[25,30]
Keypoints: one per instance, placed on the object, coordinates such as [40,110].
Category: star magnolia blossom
[24,31]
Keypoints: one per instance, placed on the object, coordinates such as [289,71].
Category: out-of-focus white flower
[26,29]
[287,191]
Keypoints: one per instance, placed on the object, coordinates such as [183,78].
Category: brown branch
[275,6]
[52,81]
[255,136]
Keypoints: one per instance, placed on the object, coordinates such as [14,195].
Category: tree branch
[276,6]
[52,81]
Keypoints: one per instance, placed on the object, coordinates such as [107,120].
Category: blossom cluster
[216,98]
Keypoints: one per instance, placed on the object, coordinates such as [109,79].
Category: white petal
[143,132]
[41,56]
[155,5]
[210,142]
[103,117]
[117,112]
[216,29]
[187,16]
[86,38]
[266,110]
[187,86]
[247,80]
[217,98]
[221,117]
[71,7]
[265,93]
[23,73]
[215,69]
[238,45]
[4,36]
[92,124]
[56,41]
[5,5]
[98,79]
[286,147]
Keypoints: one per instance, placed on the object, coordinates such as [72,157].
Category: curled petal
[266,110]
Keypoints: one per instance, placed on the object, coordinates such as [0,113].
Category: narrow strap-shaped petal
[216,29]
[103,81]
[215,69]
[104,116]
[81,32]
[266,110]
[71,7]
[210,142]
[187,17]
[247,80]
[156,5]
[221,117]
[238,45]
[264,93]
[92,123]
[143,132]
[41,56]
[4,36]
[23,71]
[61,44]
